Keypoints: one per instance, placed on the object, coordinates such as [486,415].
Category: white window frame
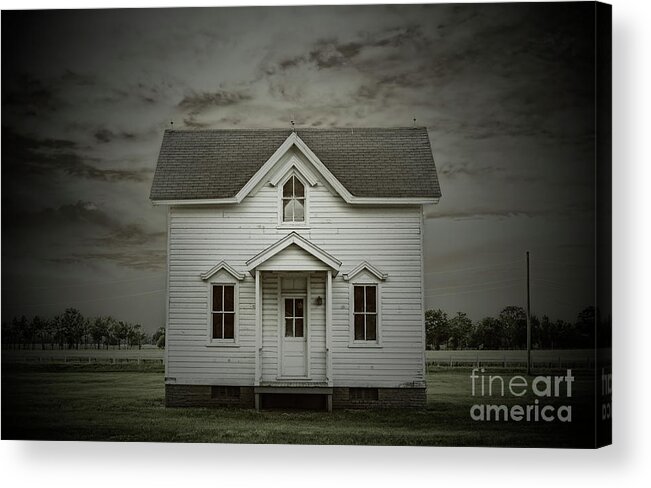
[234,342]
[378,307]
[305,223]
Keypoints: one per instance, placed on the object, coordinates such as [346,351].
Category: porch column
[258,328]
[328,325]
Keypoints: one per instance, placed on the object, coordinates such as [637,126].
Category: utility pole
[528,320]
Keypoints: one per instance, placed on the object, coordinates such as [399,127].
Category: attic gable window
[293,200]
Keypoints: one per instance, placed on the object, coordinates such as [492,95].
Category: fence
[87,356]
[564,358]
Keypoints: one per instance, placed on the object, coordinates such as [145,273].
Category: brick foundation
[386,398]
[342,397]
[207,396]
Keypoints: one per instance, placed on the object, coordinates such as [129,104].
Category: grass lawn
[125,403]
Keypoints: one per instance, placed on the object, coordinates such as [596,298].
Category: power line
[559,263]
[477,268]
[495,282]
[473,291]
[89,283]
[151,292]
[543,281]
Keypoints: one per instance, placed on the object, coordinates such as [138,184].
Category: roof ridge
[296,129]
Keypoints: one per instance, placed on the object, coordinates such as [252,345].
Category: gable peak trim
[365,265]
[294,165]
[225,266]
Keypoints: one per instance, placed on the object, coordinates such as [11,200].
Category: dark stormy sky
[506,92]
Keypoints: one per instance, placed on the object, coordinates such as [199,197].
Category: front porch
[293,303]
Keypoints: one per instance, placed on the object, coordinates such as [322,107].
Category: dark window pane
[287,188]
[229,298]
[359,299]
[217,325]
[299,307]
[371,327]
[289,307]
[298,328]
[299,191]
[216,298]
[289,328]
[288,210]
[370,299]
[299,210]
[359,327]
[229,326]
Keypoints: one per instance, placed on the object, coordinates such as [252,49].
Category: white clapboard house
[295,266]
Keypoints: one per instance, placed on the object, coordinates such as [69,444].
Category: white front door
[293,329]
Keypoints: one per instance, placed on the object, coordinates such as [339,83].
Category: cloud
[82,213]
[197,102]
[83,231]
[452,170]
[78,79]
[130,234]
[30,96]
[145,260]
[106,135]
[331,53]
[571,209]
[25,156]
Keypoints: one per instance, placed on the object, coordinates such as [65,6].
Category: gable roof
[218,267]
[365,266]
[369,162]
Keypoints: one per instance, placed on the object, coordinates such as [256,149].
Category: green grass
[120,403]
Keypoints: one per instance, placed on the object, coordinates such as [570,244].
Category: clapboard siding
[387,237]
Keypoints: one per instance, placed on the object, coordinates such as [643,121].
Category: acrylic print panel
[404,211]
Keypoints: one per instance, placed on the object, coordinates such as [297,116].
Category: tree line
[71,330]
[509,331]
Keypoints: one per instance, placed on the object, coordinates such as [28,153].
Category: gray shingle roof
[369,162]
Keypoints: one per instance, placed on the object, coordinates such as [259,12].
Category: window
[294,317]
[365,312]
[223,312]
[293,200]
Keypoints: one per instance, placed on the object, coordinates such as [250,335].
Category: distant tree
[586,327]
[437,329]
[99,330]
[544,333]
[159,332]
[159,338]
[135,335]
[40,330]
[120,331]
[460,331]
[6,331]
[514,324]
[18,330]
[28,333]
[488,334]
[74,326]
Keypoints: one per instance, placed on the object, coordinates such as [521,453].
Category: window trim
[352,342]
[305,223]
[234,342]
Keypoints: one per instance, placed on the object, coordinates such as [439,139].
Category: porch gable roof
[299,241]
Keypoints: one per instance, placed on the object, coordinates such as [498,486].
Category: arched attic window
[293,200]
